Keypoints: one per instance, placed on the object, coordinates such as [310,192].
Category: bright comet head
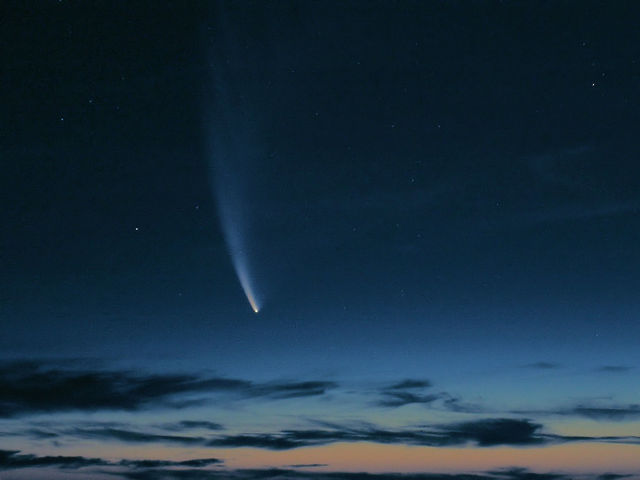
[246,283]
[251,298]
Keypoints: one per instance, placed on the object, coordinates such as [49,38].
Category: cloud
[406,392]
[606,413]
[500,431]
[399,399]
[197,463]
[488,432]
[455,404]
[39,433]
[293,390]
[410,384]
[185,425]
[543,365]
[34,387]
[614,369]
[484,433]
[287,474]
[148,469]
[267,441]
[524,474]
[481,433]
[13,459]
[28,387]
[132,436]
[172,474]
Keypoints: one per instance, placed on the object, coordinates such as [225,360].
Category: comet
[235,241]
[248,292]
[233,153]
[234,149]
[240,266]
[234,217]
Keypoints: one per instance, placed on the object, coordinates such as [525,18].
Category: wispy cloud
[37,387]
[13,459]
[187,425]
[614,369]
[131,436]
[593,412]
[399,398]
[406,392]
[27,387]
[516,473]
[483,433]
[606,413]
[195,463]
[287,474]
[411,391]
[409,384]
[291,390]
[542,365]
[488,432]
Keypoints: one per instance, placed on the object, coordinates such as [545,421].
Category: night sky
[434,206]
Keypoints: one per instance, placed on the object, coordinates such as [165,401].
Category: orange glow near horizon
[370,457]
[576,458]
[378,458]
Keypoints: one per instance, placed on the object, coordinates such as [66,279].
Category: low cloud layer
[13,460]
[480,433]
[28,388]
[145,469]
[35,387]
[487,432]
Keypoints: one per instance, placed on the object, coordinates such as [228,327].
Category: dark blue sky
[442,168]
[441,190]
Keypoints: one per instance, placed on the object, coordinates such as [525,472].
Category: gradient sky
[435,206]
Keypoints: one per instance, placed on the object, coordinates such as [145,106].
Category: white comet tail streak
[234,150]
[234,229]
[250,297]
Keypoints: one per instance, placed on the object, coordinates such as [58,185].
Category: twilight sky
[433,205]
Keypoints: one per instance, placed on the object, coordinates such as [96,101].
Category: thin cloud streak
[30,387]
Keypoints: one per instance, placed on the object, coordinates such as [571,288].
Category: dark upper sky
[434,205]
[455,169]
